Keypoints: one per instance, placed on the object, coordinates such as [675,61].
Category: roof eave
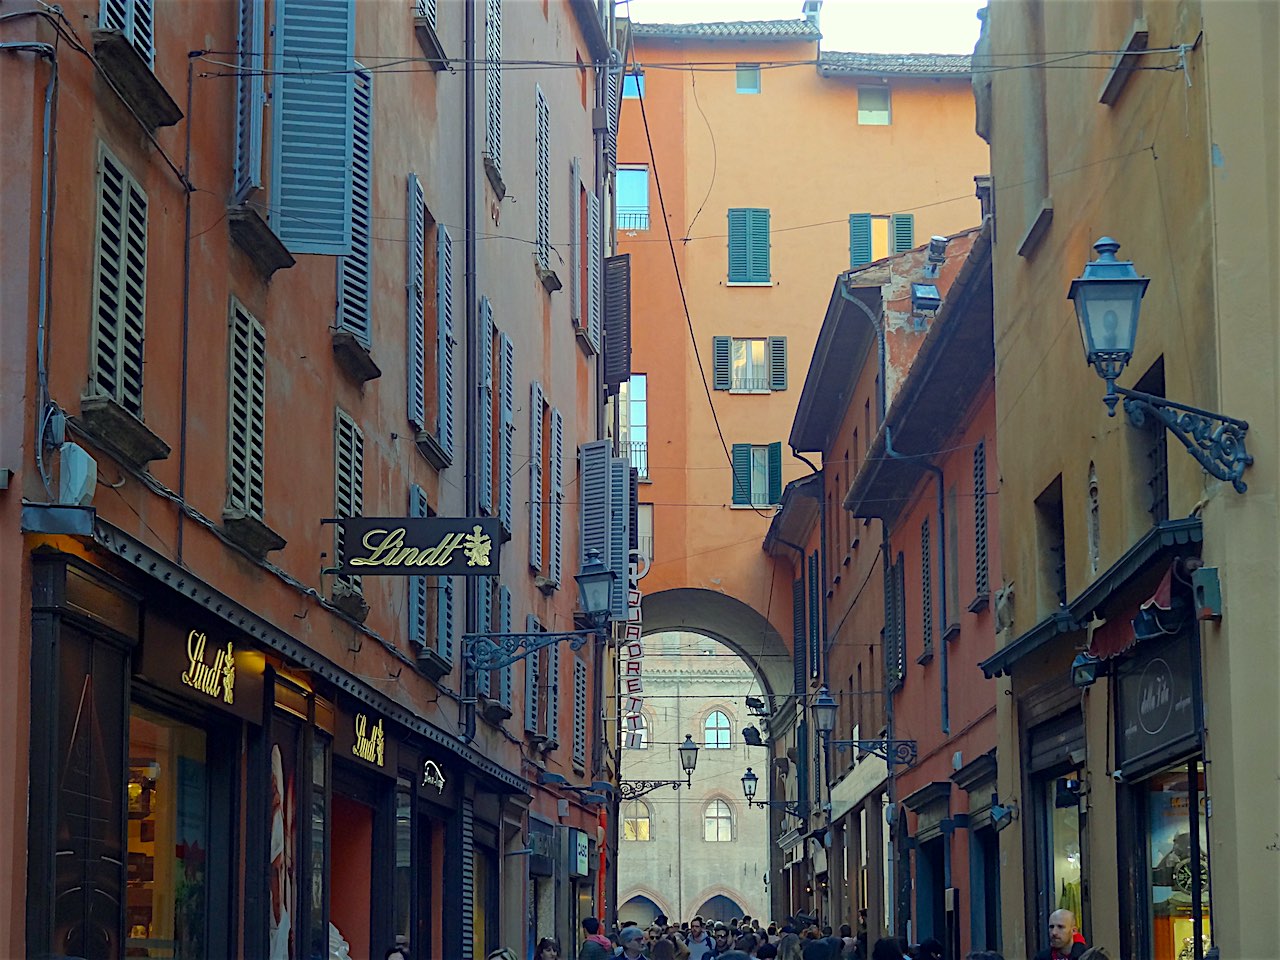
[588,18]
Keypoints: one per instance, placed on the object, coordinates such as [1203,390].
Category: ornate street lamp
[634,789]
[688,758]
[751,781]
[595,587]
[825,709]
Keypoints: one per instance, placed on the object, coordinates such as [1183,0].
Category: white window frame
[642,216]
[722,733]
[633,813]
[747,347]
[719,813]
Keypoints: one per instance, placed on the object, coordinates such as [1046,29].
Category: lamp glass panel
[1110,315]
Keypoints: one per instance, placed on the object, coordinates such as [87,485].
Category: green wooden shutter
[739,246]
[555,563]
[902,228]
[775,473]
[815,621]
[579,713]
[504,626]
[136,20]
[742,474]
[444,339]
[595,267]
[532,688]
[246,413]
[721,362]
[797,634]
[860,252]
[493,82]
[575,241]
[926,586]
[355,270]
[444,619]
[415,318]
[552,730]
[419,587]
[759,268]
[619,533]
[777,363]
[348,476]
[484,678]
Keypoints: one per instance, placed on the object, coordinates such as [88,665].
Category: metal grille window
[982,572]
[542,176]
[635,821]
[926,587]
[493,83]
[716,731]
[633,409]
[717,822]
[355,278]
[246,413]
[348,484]
[136,20]
[579,713]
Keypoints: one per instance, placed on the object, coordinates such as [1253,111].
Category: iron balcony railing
[633,219]
[637,451]
[749,383]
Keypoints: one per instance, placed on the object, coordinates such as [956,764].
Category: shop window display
[1173,894]
[1062,800]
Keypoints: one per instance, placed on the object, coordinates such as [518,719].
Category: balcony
[633,219]
[749,385]
[637,451]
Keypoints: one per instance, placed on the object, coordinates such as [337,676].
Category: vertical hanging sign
[633,722]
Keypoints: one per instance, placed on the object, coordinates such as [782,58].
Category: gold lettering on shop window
[217,679]
[370,743]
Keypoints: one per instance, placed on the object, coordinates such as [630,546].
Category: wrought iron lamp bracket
[1215,440]
[890,751]
[790,807]
[635,789]
[492,651]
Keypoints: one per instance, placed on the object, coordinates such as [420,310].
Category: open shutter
[593,254]
[775,473]
[355,293]
[555,568]
[506,428]
[542,177]
[777,363]
[759,246]
[419,587]
[246,413]
[982,574]
[348,484]
[617,320]
[504,626]
[926,586]
[721,362]
[537,492]
[619,533]
[575,241]
[136,20]
[250,97]
[444,339]
[742,474]
[902,227]
[484,415]
[739,246]
[594,466]
[484,678]
[579,713]
[633,543]
[553,695]
[444,618]
[815,621]
[797,635]
[415,317]
[312,137]
[532,688]
[493,82]
[613,101]
[860,251]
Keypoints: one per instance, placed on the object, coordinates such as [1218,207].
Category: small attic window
[748,78]
[873,106]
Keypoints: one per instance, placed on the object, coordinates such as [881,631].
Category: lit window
[633,198]
[748,78]
[717,822]
[635,821]
[716,731]
[749,370]
[873,106]
[632,86]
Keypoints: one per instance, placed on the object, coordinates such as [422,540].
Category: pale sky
[868,26]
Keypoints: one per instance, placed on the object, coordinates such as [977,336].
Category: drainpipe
[822,606]
[891,908]
[466,703]
[881,348]
[186,311]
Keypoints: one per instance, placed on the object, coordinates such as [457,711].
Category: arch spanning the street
[721,908]
[640,907]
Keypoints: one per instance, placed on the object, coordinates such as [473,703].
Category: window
[542,177]
[752,365]
[748,366]
[246,414]
[873,106]
[644,535]
[633,86]
[748,78]
[1095,523]
[873,236]
[136,20]
[635,821]
[633,198]
[757,474]
[250,97]
[1051,540]
[633,441]
[715,731]
[1154,446]
[717,822]
[749,245]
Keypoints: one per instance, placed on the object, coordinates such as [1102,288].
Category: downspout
[186,312]
[881,349]
[466,703]
[822,609]
[802,728]
[891,908]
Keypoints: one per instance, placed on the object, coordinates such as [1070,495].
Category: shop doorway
[359,862]
[930,887]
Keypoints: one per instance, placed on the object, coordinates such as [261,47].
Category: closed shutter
[537,492]
[619,533]
[120,287]
[493,82]
[504,626]
[250,97]
[312,137]
[579,713]
[981,571]
[485,413]
[902,228]
[575,241]
[542,177]
[742,474]
[890,631]
[532,685]
[136,20]
[722,362]
[593,254]
[815,621]
[777,363]
[355,293]
[484,678]
[552,730]
[246,413]
[506,429]
[419,587]
[926,586]
[760,246]
[594,466]
[797,634]
[466,873]
[739,246]
[444,339]
[444,619]
[416,335]
[613,99]
[348,484]
[775,472]
[860,249]
[555,565]
[633,478]
[617,320]
[900,619]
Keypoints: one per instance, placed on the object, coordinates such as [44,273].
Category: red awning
[1117,635]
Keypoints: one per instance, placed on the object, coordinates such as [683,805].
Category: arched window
[716,731]
[635,821]
[717,822]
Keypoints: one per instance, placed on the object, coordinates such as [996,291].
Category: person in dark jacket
[596,946]
[1065,942]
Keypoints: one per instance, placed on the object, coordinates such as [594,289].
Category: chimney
[811,10]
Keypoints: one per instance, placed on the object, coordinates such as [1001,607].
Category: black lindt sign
[1158,707]
[415,547]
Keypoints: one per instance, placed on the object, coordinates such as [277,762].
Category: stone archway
[640,905]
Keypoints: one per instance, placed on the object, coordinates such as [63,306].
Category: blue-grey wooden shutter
[613,100]
[136,20]
[594,253]
[860,247]
[553,695]
[355,270]
[484,678]
[542,177]
[815,621]
[348,484]
[504,626]
[484,394]
[759,221]
[982,574]
[419,587]
[742,474]
[739,245]
[506,429]
[617,321]
[902,228]
[575,241]
[444,339]
[537,493]
[466,873]
[594,460]
[555,563]
[532,688]
[579,712]
[444,619]
[246,413]
[415,287]
[619,533]
[250,97]
[312,137]
[777,363]
[890,632]
[926,586]
[797,634]
[775,472]
[493,82]
[722,362]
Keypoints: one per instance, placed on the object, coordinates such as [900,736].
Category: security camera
[1117,775]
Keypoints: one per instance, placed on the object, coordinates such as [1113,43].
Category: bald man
[1065,942]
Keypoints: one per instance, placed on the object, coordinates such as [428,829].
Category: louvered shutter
[348,484]
[120,287]
[619,533]
[485,413]
[542,178]
[759,264]
[426,9]
[721,362]
[742,474]
[136,20]
[246,413]
[594,253]
[419,587]
[594,466]
[815,621]
[982,575]
[617,320]
[484,678]
[579,712]
[444,339]
[739,246]
[797,634]
[860,249]
[250,97]
[506,429]
[777,363]
[552,730]
[555,565]
[633,479]
[504,626]
[926,586]
[902,228]
[575,241]
[444,619]
[493,82]
[312,136]
[532,688]
[466,873]
[900,618]
[775,472]
[415,294]
[355,293]
[537,493]
[613,96]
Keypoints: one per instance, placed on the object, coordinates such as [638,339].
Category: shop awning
[1117,635]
